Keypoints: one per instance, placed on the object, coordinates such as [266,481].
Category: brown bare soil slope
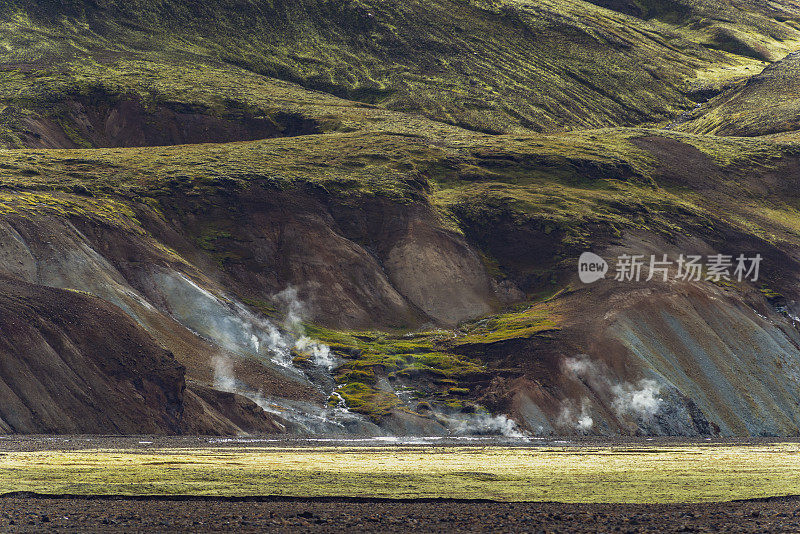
[73,363]
[103,120]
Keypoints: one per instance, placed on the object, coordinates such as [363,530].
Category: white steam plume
[224,378]
[294,310]
[641,400]
[485,424]
[579,419]
[321,354]
[581,366]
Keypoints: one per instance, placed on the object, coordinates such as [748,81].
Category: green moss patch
[533,321]
[365,399]
[104,210]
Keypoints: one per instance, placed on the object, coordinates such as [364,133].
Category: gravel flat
[45,514]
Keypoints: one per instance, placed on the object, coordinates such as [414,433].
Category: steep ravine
[214,336]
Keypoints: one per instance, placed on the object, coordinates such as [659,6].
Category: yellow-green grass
[107,210]
[616,474]
[470,63]
[535,320]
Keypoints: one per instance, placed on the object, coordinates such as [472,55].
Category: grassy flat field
[614,474]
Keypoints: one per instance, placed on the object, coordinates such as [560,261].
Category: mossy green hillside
[594,164]
[759,30]
[102,210]
[386,165]
[762,106]
[463,62]
[364,399]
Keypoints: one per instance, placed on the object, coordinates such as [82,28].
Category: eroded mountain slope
[73,363]
[377,258]
[373,231]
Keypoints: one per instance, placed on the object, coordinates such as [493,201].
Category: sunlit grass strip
[605,474]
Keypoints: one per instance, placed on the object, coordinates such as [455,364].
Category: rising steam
[321,354]
[237,330]
[485,424]
[641,400]
[578,418]
[224,378]
[294,311]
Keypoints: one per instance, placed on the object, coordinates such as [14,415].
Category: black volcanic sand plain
[37,514]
